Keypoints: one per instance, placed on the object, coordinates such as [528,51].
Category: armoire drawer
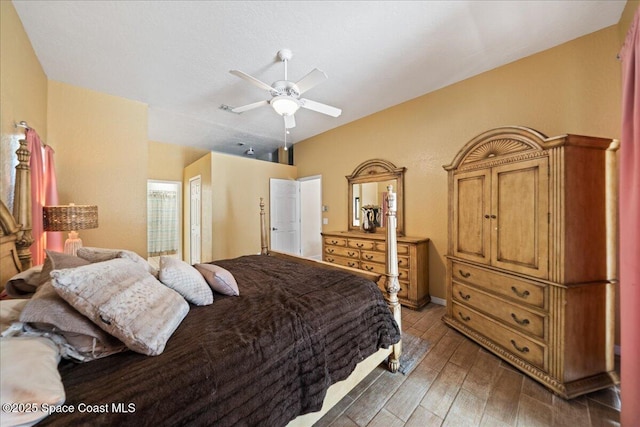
[510,314]
[508,339]
[519,290]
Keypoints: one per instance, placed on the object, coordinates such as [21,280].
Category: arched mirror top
[367,190]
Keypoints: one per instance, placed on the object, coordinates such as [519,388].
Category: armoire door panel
[471,216]
[519,217]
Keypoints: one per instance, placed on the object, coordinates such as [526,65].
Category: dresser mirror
[367,191]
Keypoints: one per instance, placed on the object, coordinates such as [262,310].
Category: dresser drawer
[382,269]
[515,316]
[361,244]
[402,293]
[381,258]
[516,289]
[335,241]
[402,248]
[511,341]
[342,251]
[349,262]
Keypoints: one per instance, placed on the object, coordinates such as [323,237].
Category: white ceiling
[175,56]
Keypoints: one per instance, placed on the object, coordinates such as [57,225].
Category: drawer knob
[351,264]
[360,245]
[351,253]
[369,257]
[330,259]
[486,216]
[334,242]
[463,274]
[523,322]
[463,296]
[524,294]
[330,250]
[520,349]
[368,268]
[463,317]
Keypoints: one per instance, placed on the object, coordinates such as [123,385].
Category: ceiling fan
[285,95]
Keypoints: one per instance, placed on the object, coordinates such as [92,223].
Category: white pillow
[186,280]
[10,310]
[124,300]
[29,379]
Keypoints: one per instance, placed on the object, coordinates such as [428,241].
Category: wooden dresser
[366,251]
[531,260]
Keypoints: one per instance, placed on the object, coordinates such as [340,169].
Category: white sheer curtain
[162,233]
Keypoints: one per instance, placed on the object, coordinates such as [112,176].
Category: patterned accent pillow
[219,279]
[125,301]
[184,279]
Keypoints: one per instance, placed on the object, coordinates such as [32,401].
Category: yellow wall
[572,88]
[232,187]
[23,93]
[167,161]
[101,158]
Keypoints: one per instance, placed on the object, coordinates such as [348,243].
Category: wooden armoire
[531,254]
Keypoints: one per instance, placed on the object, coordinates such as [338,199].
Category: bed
[299,336]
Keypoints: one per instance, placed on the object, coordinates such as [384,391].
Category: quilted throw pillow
[186,280]
[125,301]
[220,279]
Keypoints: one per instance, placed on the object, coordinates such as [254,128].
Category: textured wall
[572,88]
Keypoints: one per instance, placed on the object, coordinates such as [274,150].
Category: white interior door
[311,217]
[195,219]
[284,208]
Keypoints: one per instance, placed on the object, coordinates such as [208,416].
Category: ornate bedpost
[392,285]
[264,244]
[22,205]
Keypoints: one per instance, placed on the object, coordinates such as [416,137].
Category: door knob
[274,229]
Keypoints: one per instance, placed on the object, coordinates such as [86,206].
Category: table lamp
[70,218]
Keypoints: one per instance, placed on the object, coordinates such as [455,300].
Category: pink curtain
[630,227]
[43,191]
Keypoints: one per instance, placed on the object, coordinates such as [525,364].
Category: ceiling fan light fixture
[285,105]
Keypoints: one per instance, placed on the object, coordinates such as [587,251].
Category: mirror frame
[377,170]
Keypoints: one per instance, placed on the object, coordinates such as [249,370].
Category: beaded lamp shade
[70,218]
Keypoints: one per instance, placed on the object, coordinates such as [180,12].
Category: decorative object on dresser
[70,218]
[531,254]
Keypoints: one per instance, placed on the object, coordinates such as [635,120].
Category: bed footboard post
[392,285]
[264,244]
[22,205]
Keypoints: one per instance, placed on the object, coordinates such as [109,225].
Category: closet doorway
[164,220]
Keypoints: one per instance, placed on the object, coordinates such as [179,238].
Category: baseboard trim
[438,301]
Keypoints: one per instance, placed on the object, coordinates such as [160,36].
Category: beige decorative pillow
[102,254]
[125,301]
[48,312]
[220,279]
[186,280]
[10,310]
[56,261]
[29,378]
[25,283]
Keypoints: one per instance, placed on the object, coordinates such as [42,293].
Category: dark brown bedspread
[259,359]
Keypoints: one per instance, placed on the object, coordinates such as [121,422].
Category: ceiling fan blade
[319,107]
[289,121]
[251,79]
[310,80]
[248,107]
